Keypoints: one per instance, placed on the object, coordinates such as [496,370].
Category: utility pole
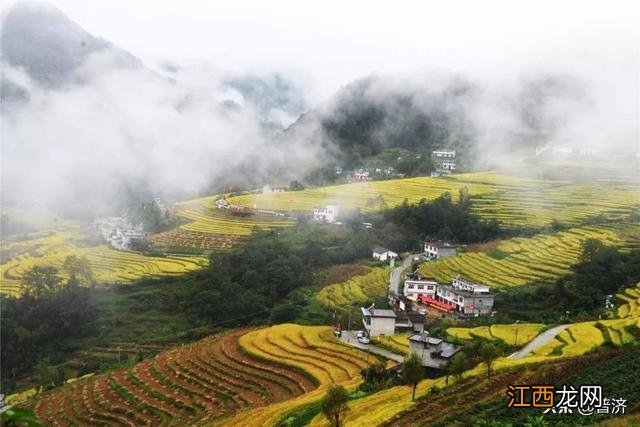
[349,319]
[517,323]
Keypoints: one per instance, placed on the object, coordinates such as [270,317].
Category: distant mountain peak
[49,46]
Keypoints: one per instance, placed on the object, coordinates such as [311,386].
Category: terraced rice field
[513,200]
[212,228]
[581,337]
[357,290]
[523,260]
[368,196]
[107,264]
[521,202]
[630,302]
[209,380]
[311,349]
[398,343]
[505,333]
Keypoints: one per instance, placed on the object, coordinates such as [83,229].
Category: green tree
[412,372]
[538,421]
[40,280]
[79,269]
[458,365]
[334,403]
[46,375]
[488,354]
[14,417]
[296,186]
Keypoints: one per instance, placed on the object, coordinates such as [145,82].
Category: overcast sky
[332,42]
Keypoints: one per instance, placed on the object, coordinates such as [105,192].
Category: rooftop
[469,281]
[438,244]
[464,293]
[378,312]
[446,349]
[420,338]
[380,249]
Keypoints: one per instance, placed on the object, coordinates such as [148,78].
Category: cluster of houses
[462,296]
[434,352]
[368,174]
[120,233]
[408,312]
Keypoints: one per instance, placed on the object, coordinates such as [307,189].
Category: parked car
[364,340]
[360,334]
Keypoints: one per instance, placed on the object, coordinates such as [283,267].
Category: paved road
[350,338]
[538,341]
[396,273]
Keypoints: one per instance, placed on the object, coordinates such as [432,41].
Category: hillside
[45,43]
[395,404]
[108,265]
[208,380]
[518,261]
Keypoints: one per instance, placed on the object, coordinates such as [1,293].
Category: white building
[444,154]
[434,352]
[415,285]
[222,204]
[435,249]
[383,254]
[444,160]
[327,214]
[466,297]
[268,189]
[378,321]
[361,175]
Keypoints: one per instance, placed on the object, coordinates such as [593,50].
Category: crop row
[107,264]
[504,332]
[310,349]
[581,337]
[398,343]
[201,382]
[522,260]
[367,196]
[195,239]
[358,289]
[210,228]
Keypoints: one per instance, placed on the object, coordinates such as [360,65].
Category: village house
[436,249]
[434,352]
[378,321]
[444,160]
[466,297]
[416,285]
[269,189]
[327,214]
[361,175]
[222,204]
[410,321]
[383,254]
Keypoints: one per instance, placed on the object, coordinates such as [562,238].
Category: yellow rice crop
[523,260]
[107,264]
[358,289]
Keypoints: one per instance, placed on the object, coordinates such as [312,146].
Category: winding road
[538,341]
[396,273]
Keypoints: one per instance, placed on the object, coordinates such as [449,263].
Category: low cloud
[79,146]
